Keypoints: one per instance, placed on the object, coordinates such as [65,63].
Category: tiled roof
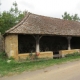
[37,24]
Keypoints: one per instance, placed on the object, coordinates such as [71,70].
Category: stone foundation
[48,54]
[62,53]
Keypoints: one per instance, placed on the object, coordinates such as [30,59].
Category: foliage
[10,18]
[3,55]
[70,17]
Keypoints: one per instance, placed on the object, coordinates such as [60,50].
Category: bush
[3,55]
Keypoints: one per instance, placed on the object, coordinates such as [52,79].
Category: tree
[70,17]
[18,15]
[75,17]
[10,18]
[0,8]
[6,21]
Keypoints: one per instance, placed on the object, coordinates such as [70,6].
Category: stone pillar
[69,43]
[37,38]
[37,44]
[11,46]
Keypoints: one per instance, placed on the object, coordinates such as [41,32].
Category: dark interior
[26,44]
[53,43]
[75,43]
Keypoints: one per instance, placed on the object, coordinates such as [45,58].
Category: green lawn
[15,67]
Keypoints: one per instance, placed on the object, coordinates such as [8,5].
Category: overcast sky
[52,8]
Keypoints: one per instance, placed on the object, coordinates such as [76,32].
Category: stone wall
[11,46]
[1,43]
[65,52]
[48,54]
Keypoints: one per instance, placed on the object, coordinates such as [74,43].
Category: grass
[14,67]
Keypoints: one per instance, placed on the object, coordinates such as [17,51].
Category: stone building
[42,35]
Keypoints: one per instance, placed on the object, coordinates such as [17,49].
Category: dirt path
[66,71]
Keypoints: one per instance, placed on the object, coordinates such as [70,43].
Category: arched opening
[53,43]
[75,43]
[26,43]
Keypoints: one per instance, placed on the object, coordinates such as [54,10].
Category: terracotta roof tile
[37,24]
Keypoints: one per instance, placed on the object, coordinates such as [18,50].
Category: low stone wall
[48,54]
[23,56]
[62,53]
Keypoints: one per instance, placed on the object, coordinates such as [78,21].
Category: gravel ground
[65,71]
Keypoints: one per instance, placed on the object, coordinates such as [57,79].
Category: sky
[51,8]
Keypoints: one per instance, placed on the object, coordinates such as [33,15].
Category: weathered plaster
[11,46]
